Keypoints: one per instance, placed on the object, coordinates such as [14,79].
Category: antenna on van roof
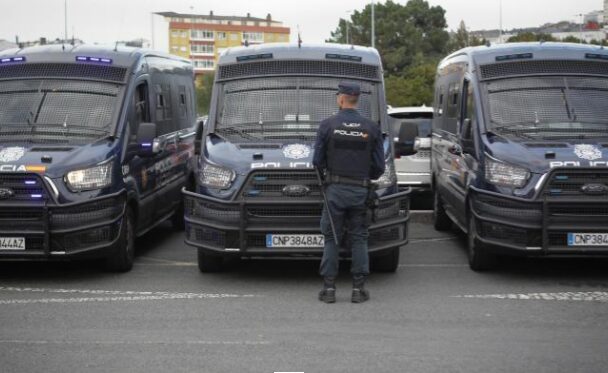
[299,38]
[116,46]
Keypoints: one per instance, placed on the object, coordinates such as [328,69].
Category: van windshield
[56,110]
[276,109]
[549,107]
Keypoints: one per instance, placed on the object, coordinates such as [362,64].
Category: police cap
[349,89]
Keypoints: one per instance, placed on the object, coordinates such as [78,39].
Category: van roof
[540,50]
[67,53]
[290,51]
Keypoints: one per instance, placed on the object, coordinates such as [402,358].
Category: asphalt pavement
[432,315]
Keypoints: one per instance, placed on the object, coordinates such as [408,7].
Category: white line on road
[591,296]
[115,295]
[195,342]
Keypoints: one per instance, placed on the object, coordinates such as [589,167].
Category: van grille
[299,67]
[570,182]
[63,70]
[26,187]
[539,67]
[271,185]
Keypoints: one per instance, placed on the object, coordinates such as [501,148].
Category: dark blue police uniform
[350,148]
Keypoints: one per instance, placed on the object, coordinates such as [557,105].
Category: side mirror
[405,143]
[200,127]
[146,140]
[466,137]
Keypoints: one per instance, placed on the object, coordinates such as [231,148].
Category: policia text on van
[95,146]
[257,193]
[519,149]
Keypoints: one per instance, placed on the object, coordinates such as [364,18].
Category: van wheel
[123,256]
[388,262]
[208,263]
[479,257]
[177,220]
[441,220]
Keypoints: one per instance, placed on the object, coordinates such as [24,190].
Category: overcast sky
[105,21]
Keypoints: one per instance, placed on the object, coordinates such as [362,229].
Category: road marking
[165,262]
[439,265]
[195,342]
[590,296]
[110,295]
[433,239]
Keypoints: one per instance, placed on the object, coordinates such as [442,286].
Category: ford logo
[296,190]
[595,189]
[6,193]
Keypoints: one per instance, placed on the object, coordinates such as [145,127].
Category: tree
[462,39]
[415,88]
[204,87]
[530,36]
[406,35]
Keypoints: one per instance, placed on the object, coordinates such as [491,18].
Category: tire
[208,263]
[479,258]
[387,263]
[441,220]
[123,256]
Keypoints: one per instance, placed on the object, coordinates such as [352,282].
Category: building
[4,44]
[202,38]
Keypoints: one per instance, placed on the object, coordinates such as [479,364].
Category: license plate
[294,240]
[588,239]
[12,243]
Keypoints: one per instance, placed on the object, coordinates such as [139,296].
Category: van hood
[542,156]
[53,161]
[243,157]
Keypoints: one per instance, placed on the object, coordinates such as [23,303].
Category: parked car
[257,194]
[413,170]
[95,146]
[519,150]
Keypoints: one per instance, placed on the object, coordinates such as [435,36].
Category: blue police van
[520,150]
[95,146]
[257,194]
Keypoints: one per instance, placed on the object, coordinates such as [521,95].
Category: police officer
[349,147]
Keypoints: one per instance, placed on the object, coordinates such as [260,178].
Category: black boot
[328,294]
[360,294]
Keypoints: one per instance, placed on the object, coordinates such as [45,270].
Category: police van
[520,150]
[95,146]
[257,193]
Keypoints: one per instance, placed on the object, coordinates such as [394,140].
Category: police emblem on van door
[588,152]
[11,154]
[296,151]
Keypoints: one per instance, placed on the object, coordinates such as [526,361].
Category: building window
[253,37]
[174,33]
[204,64]
[202,49]
[234,36]
[184,34]
[221,35]
[201,34]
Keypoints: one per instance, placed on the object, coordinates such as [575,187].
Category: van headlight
[388,178]
[216,177]
[504,174]
[92,178]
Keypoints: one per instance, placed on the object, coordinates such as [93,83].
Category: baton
[331,220]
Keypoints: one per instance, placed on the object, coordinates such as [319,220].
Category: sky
[105,21]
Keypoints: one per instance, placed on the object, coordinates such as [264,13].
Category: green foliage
[204,87]
[530,37]
[406,35]
[415,88]
[462,39]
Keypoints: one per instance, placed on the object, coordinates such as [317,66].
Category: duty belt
[336,179]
